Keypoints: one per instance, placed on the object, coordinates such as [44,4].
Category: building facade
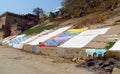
[11,23]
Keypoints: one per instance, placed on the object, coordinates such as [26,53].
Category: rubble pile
[104,66]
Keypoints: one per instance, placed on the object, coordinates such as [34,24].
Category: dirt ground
[13,61]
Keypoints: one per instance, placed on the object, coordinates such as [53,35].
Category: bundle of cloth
[98,52]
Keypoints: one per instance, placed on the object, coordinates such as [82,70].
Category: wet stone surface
[104,66]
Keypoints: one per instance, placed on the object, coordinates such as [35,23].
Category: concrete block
[35,49]
[60,51]
[116,71]
[48,51]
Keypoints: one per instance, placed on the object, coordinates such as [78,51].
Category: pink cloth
[63,38]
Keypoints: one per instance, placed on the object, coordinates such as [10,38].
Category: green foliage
[110,44]
[38,11]
[40,29]
[44,18]
[52,15]
[115,23]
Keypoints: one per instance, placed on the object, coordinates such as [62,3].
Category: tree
[38,11]
[51,15]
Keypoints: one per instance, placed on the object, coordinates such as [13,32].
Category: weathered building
[9,20]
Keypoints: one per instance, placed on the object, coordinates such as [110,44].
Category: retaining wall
[66,53]
[56,51]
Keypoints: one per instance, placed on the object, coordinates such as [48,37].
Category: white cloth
[48,36]
[83,38]
[116,46]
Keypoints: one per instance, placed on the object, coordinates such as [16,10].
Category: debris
[104,66]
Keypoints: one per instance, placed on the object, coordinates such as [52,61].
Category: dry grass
[94,18]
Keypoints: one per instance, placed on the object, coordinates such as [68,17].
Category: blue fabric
[68,34]
[100,52]
[56,42]
[53,42]
[33,48]
[17,41]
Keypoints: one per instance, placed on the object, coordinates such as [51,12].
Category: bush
[39,29]
[110,44]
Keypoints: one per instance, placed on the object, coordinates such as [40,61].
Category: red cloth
[42,45]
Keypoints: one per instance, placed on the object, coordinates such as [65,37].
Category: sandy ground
[13,61]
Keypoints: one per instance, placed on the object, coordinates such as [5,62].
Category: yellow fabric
[76,30]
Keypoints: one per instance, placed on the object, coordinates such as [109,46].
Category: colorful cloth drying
[53,42]
[59,39]
[90,52]
[16,41]
[76,30]
[100,52]
[96,51]
[42,45]
[68,34]
[63,38]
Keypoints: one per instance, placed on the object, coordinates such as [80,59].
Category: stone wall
[13,30]
[2,21]
[10,21]
[14,19]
